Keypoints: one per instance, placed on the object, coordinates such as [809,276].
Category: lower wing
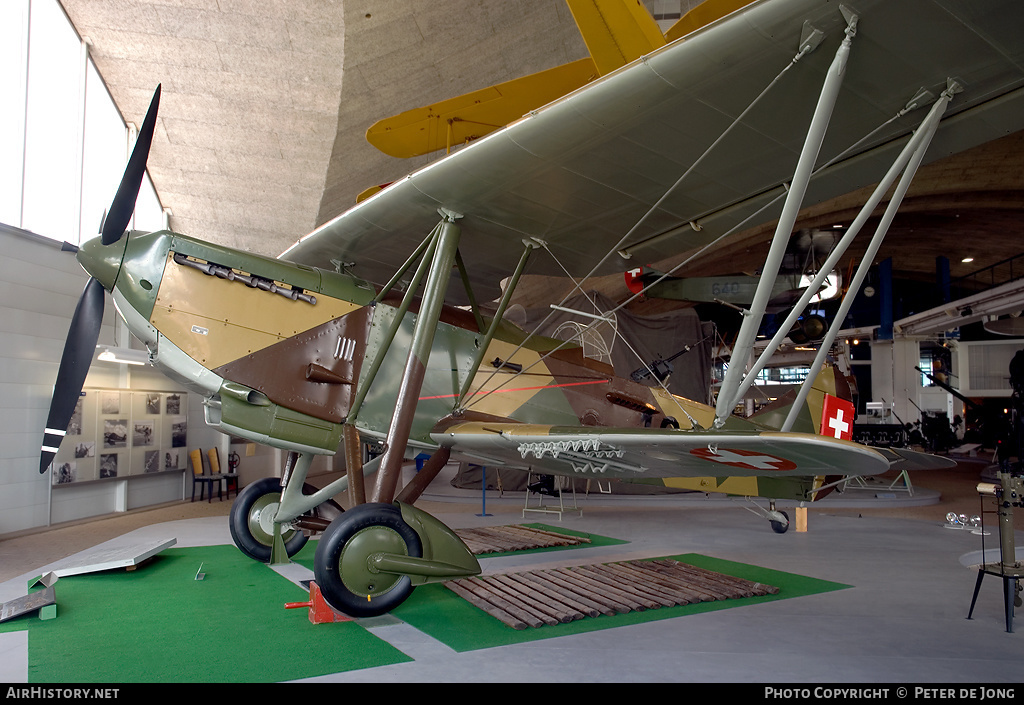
[630,453]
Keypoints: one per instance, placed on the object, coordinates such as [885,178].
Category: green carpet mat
[159,624]
[437,611]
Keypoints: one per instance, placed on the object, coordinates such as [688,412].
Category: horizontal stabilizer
[906,459]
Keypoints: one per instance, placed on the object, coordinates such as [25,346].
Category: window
[63,142]
[13,54]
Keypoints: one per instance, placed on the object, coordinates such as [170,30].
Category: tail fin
[828,411]
[616,32]
[703,14]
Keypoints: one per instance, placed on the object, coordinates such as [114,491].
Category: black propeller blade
[123,205]
[88,318]
[74,366]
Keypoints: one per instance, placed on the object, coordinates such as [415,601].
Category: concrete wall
[39,289]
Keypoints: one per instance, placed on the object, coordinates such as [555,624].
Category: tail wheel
[780,526]
[343,568]
[252,520]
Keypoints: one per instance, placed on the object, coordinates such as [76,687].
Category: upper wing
[658,453]
[582,172]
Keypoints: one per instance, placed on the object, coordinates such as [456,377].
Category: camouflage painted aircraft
[309,359]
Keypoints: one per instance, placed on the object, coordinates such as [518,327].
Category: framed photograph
[108,465]
[116,434]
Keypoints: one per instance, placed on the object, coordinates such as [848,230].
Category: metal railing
[1007,270]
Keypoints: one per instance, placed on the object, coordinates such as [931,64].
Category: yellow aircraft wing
[468,117]
[703,15]
[615,31]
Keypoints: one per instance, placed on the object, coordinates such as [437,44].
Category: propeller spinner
[88,317]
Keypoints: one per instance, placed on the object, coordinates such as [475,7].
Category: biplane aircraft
[781,103]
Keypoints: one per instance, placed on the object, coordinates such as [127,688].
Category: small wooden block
[801,519]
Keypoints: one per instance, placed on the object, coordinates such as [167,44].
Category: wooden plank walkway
[498,539]
[561,595]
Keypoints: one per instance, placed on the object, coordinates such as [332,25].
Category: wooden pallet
[498,539]
[562,595]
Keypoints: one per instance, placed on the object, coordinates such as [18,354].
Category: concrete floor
[902,622]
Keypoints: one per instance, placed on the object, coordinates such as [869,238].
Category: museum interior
[254,156]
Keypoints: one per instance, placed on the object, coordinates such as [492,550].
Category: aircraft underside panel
[801,489]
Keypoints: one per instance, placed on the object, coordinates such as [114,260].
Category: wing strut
[923,132]
[927,131]
[506,297]
[446,242]
[801,177]
[810,39]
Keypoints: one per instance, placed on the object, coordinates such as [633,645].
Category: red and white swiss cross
[837,418]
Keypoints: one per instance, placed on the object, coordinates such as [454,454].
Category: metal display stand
[550,508]
[1009,493]
[900,484]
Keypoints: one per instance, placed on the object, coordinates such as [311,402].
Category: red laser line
[521,389]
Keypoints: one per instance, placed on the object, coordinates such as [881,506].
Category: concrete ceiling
[266,102]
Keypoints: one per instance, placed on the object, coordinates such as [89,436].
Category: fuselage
[279,351]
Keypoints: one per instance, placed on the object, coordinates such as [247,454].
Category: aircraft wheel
[251,521]
[779,526]
[342,566]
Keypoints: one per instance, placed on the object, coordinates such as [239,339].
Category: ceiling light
[965,260]
[125,355]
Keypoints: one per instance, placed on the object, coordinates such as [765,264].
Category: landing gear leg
[258,527]
[369,560]
[252,522]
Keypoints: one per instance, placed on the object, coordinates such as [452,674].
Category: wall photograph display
[115,433]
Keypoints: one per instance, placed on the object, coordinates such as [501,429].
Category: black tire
[252,538]
[341,565]
[780,527]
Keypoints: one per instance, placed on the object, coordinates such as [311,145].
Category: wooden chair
[201,478]
[229,478]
